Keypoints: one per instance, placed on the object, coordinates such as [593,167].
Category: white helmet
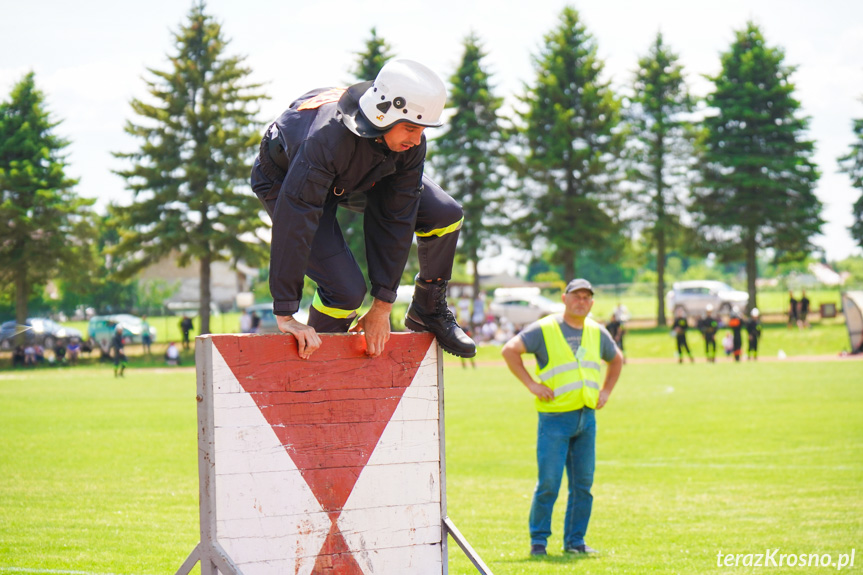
[404,91]
[755,312]
[708,308]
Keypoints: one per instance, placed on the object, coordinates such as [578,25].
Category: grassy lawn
[692,460]
[100,474]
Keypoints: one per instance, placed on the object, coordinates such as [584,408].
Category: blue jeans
[567,440]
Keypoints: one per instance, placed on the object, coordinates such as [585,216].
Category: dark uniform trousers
[332,266]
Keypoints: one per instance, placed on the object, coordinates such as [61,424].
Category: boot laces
[441,308]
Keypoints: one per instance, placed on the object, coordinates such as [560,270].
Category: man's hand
[542,391]
[308,339]
[375,323]
[603,398]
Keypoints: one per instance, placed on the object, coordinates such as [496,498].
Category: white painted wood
[418,560]
[407,442]
[270,487]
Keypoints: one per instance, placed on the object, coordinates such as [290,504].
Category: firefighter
[708,326]
[360,148]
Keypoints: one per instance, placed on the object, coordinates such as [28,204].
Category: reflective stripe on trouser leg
[328,324]
[439,220]
[341,285]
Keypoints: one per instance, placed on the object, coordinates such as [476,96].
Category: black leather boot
[428,312]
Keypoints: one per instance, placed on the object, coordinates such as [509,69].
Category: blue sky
[90,57]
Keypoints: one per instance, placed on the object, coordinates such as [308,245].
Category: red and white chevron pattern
[330,465]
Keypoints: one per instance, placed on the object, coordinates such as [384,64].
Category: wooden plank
[378,528]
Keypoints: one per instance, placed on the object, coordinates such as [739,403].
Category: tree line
[576,171]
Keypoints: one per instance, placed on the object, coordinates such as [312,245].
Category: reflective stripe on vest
[575,381]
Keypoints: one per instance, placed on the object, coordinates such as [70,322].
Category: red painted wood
[335,557]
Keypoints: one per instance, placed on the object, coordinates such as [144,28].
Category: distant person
[172,354]
[728,344]
[680,325]
[569,351]
[118,345]
[146,336]
[60,352]
[478,316]
[464,315]
[104,351]
[186,326]
[708,326]
[39,353]
[246,322]
[617,330]
[74,350]
[256,322]
[29,355]
[793,318]
[804,311]
[736,324]
[622,313]
[753,330]
[18,356]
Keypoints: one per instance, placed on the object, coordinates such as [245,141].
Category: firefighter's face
[403,137]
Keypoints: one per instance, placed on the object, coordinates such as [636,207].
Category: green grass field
[99,474]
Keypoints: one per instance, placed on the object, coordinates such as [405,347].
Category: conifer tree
[572,142]
[759,178]
[661,154]
[852,164]
[45,224]
[189,178]
[468,157]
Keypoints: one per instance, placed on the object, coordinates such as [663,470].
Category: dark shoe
[537,549]
[428,312]
[581,549]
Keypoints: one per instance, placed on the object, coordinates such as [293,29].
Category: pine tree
[759,177]
[852,164]
[45,224]
[189,178]
[468,157]
[368,63]
[572,137]
[661,154]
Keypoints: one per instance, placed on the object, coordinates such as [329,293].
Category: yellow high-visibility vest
[574,377]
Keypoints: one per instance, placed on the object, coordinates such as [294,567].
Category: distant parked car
[102,327]
[37,330]
[522,306]
[268,318]
[694,296]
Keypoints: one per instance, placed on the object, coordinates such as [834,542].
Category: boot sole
[420,328]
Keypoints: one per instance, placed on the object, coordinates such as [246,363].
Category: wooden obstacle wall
[332,465]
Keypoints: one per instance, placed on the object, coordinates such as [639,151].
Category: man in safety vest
[569,350]
[360,148]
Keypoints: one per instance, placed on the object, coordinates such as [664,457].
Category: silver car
[522,306]
[694,296]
